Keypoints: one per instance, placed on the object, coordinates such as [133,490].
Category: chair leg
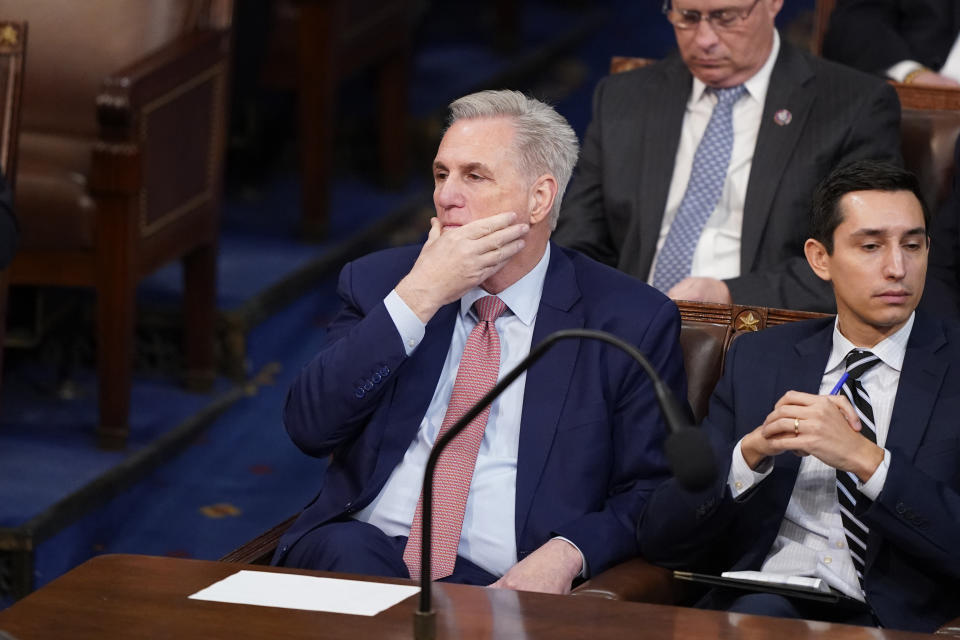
[393,80]
[115,319]
[200,287]
[317,86]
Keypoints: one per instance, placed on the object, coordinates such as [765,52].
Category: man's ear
[818,258]
[542,194]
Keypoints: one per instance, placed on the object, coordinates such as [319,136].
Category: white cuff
[902,69]
[408,325]
[872,487]
[583,559]
[742,478]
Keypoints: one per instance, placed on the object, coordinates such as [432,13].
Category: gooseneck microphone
[688,451]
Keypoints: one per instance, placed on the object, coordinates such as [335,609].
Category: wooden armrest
[260,549]
[634,580]
[128,90]
[950,629]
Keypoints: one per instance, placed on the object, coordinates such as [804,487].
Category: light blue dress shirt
[489,537]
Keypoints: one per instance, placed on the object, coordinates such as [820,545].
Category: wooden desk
[124,596]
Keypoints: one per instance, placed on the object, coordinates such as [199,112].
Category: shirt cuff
[902,69]
[872,487]
[741,477]
[408,325]
[583,559]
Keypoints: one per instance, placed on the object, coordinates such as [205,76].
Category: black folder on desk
[788,590]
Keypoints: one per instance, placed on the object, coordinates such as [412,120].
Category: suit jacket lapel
[414,392]
[788,91]
[547,380]
[920,380]
[661,125]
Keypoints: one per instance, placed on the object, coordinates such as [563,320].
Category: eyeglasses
[722,19]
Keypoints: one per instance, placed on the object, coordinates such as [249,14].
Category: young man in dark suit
[860,489]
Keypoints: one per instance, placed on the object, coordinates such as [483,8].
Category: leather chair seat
[56,212]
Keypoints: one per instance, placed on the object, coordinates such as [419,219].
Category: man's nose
[704,34]
[895,266]
[447,194]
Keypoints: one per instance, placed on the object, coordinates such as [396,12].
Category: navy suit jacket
[590,435]
[614,207]
[912,573]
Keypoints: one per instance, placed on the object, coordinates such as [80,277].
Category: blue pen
[839,385]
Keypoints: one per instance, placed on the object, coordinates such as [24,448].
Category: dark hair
[862,175]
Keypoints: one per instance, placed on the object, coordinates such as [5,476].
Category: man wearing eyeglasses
[696,172]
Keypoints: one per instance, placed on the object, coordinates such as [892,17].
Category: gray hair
[544,140]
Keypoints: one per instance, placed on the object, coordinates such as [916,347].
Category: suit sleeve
[9,229]
[333,397]
[866,35]
[583,223]
[918,514]
[941,294]
[873,131]
[607,536]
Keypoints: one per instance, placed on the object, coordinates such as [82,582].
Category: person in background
[697,172]
[911,41]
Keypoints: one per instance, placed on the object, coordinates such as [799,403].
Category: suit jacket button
[283,548]
[384,370]
[360,392]
[375,378]
[368,386]
[901,508]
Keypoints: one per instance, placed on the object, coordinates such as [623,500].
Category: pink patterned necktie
[476,375]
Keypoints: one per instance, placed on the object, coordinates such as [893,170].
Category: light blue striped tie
[709,172]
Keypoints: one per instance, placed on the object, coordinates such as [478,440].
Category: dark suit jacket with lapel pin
[912,571]
[615,204]
[591,435]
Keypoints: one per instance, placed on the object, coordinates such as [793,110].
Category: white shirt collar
[522,297]
[757,85]
[891,350]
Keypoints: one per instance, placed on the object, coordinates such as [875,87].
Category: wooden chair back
[929,126]
[13,40]
[13,46]
[120,168]
[821,20]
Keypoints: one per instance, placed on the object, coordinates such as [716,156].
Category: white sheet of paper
[291,591]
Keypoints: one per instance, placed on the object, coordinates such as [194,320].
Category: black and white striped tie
[858,363]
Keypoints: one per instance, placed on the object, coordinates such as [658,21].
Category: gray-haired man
[548,485]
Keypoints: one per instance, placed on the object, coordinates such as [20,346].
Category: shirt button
[839,545]
[738,485]
[411,342]
[827,560]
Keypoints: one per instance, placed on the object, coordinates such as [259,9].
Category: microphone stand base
[424,625]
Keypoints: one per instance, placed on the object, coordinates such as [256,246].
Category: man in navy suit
[570,451]
[777,505]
